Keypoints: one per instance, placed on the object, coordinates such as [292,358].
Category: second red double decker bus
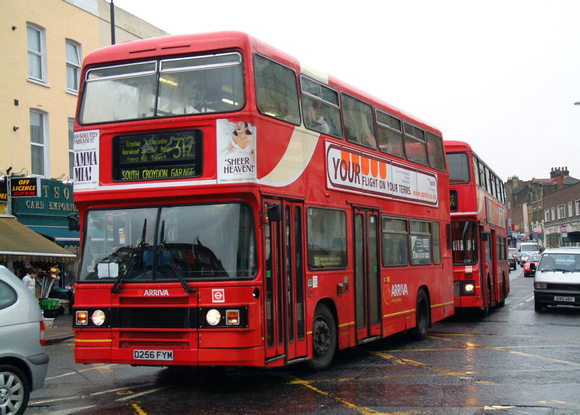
[479,231]
[238,209]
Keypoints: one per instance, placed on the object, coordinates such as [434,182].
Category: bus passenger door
[285,326]
[486,269]
[367,274]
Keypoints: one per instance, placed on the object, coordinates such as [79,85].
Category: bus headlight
[213,317]
[467,288]
[98,317]
[81,318]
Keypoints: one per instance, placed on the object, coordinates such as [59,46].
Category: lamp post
[112,22]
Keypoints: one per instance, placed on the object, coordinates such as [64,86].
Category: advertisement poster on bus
[86,160]
[355,171]
[236,151]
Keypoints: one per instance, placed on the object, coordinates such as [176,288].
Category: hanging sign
[24,186]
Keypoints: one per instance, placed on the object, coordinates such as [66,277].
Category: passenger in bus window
[197,101]
[313,117]
[358,130]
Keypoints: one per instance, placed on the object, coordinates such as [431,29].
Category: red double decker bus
[479,231]
[239,209]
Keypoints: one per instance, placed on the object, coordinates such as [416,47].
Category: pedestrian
[30,280]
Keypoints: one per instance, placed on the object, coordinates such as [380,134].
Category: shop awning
[61,236]
[19,243]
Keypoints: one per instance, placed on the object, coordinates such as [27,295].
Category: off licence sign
[24,187]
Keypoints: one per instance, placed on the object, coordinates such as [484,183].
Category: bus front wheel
[324,339]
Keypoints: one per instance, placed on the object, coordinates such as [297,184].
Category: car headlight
[98,317]
[213,317]
[541,285]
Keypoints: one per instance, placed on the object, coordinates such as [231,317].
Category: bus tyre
[423,317]
[324,338]
[503,294]
[14,390]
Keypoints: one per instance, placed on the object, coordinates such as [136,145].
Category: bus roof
[176,45]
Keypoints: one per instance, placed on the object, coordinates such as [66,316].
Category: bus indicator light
[232,317]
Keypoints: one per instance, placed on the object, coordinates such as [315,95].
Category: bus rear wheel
[423,317]
[324,339]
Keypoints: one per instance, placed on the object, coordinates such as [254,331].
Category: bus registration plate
[153,354]
[564,299]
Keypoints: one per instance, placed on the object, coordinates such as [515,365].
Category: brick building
[530,207]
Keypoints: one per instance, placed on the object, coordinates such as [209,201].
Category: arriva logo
[156,293]
[399,290]
[393,293]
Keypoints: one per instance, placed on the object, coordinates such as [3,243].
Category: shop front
[34,228]
[567,234]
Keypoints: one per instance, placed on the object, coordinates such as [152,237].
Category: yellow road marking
[138,409]
[297,381]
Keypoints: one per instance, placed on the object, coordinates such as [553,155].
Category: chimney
[557,175]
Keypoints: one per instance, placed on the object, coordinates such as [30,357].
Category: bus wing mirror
[74,223]
[273,212]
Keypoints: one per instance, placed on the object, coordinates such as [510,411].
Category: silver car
[557,278]
[23,361]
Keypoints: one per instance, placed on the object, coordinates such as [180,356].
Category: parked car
[513,258]
[23,361]
[557,279]
[531,265]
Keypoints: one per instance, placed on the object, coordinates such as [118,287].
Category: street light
[577,103]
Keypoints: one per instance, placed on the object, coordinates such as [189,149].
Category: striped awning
[19,243]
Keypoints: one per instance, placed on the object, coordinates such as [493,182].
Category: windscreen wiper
[163,249]
[138,254]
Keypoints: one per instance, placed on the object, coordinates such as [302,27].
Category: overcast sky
[502,75]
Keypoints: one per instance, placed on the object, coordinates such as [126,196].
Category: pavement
[60,330]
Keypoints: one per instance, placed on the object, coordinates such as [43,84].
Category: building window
[38,140]
[71,152]
[561,212]
[577,208]
[73,65]
[553,209]
[570,210]
[547,215]
[36,53]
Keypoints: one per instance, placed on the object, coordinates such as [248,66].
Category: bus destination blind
[159,156]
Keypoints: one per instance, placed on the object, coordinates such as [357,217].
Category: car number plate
[564,299]
[153,355]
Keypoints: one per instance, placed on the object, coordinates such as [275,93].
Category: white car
[557,278]
[23,361]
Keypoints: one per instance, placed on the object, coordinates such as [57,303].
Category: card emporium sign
[54,199]
[355,171]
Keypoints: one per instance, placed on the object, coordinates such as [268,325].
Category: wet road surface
[514,361]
